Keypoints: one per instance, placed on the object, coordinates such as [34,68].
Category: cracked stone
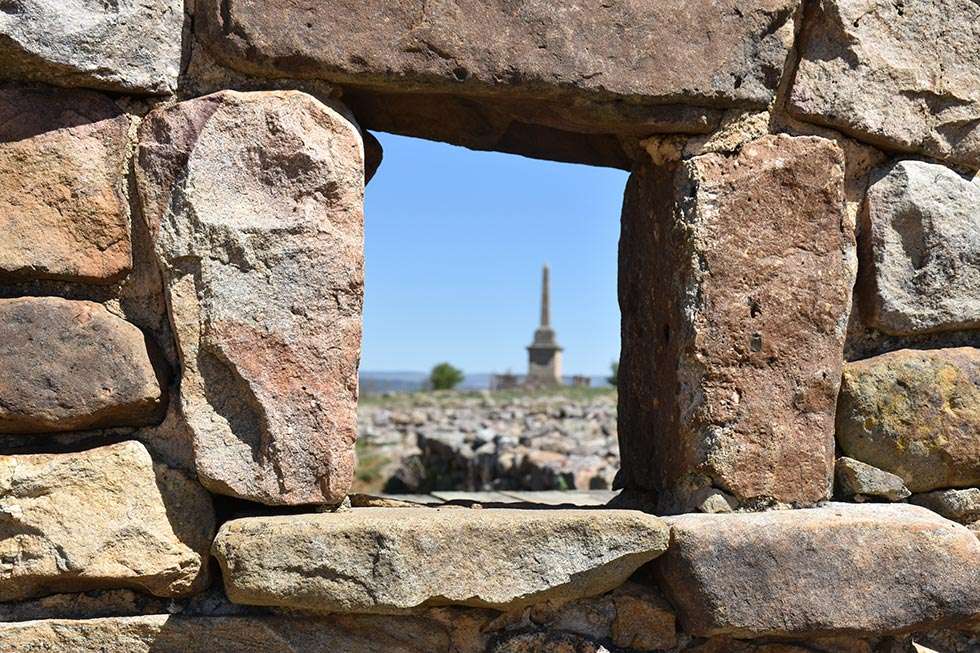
[106,518]
[255,205]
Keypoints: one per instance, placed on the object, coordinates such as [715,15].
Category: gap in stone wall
[455,241]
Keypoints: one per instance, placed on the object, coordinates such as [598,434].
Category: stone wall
[181,283]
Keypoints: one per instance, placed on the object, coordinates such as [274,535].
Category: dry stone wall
[181,283]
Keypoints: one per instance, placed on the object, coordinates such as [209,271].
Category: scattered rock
[164,633]
[101,519]
[255,203]
[731,364]
[63,209]
[71,365]
[388,559]
[915,414]
[861,481]
[131,46]
[962,506]
[900,75]
[924,243]
[423,442]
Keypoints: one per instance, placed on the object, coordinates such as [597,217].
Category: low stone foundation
[181,286]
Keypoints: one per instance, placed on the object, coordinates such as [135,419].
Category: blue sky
[455,240]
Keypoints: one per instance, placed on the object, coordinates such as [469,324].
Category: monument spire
[544,354]
[545,302]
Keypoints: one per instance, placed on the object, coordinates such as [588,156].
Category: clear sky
[455,240]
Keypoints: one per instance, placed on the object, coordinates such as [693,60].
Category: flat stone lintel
[393,559]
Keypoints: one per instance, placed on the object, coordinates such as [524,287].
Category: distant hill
[378,382]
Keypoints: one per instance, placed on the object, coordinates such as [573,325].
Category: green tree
[445,377]
[614,379]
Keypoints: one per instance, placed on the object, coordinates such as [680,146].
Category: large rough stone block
[104,518]
[255,204]
[915,414]
[840,569]
[131,46]
[901,75]
[164,633]
[389,559]
[71,365]
[63,160]
[735,285]
[517,76]
[728,52]
[922,225]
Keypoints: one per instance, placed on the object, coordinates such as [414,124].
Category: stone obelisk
[544,354]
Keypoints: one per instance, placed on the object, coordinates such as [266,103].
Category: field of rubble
[560,439]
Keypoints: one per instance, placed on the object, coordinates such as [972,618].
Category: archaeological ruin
[181,290]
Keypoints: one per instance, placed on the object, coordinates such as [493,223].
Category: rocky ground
[506,440]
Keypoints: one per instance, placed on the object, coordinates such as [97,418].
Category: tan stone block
[101,519]
[916,414]
[843,569]
[392,559]
[165,633]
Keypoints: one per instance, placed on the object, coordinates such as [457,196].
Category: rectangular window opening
[491,328]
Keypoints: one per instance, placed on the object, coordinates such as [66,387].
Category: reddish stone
[734,287]
[72,365]
[63,160]
[255,204]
